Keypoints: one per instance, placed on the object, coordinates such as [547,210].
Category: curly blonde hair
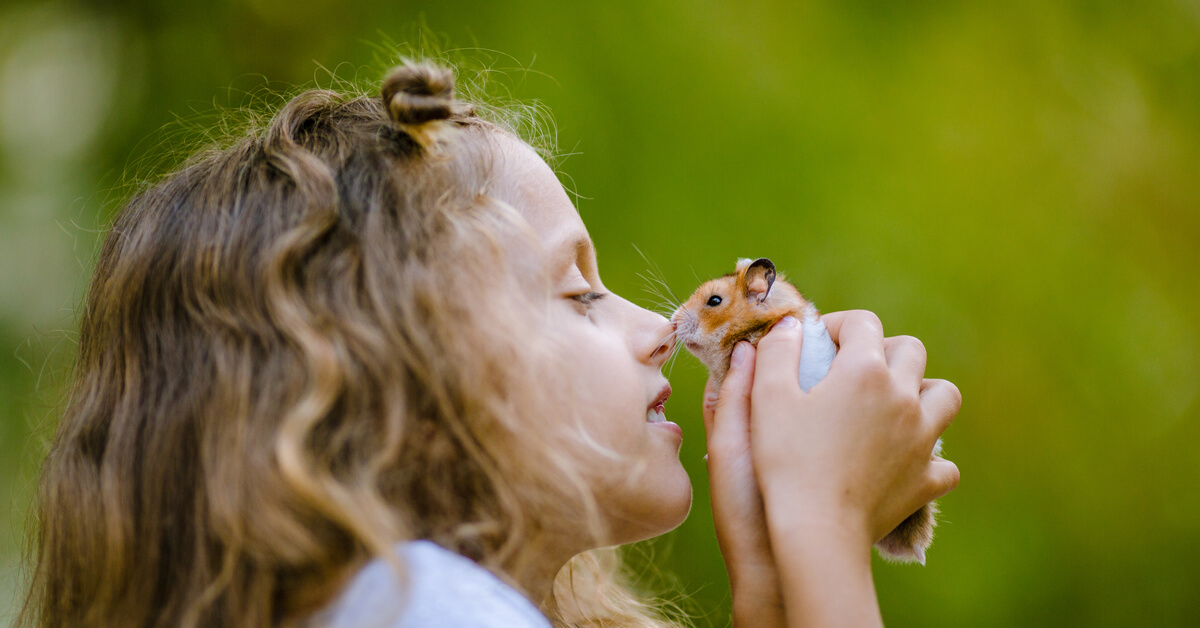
[298,350]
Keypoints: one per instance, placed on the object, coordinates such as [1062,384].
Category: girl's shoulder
[442,588]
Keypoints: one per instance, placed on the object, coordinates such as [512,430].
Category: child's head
[609,354]
[377,319]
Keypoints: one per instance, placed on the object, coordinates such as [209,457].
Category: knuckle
[951,393]
[865,317]
[874,373]
[950,479]
[914,344]
[908,406]
[955,396]
[942,479]
[780,336]
[862,364]
[768,344]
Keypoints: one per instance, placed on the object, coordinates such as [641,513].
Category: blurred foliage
[1014,183]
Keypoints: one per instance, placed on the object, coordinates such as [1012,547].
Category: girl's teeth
[654,415]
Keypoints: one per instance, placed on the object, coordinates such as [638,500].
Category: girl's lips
[656,414]
[670,427]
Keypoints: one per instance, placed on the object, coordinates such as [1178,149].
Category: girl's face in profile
[614,367]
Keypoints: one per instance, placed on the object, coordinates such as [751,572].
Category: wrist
[758,601]
[825,537]
[825,573]
[822,548]
[791,517]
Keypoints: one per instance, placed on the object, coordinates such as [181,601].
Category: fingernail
[739,353]
[788,322]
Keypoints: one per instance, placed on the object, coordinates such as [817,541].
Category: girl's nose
[660,341]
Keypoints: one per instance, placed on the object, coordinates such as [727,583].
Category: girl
[359,368]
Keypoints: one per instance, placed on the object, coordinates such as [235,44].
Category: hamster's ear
[760,276]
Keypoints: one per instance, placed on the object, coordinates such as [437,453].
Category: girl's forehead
[526,182]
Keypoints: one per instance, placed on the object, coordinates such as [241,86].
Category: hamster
[743,305]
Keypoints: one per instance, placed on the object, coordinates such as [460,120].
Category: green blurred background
[1016,183]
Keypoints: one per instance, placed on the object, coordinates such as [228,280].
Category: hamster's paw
[908,542]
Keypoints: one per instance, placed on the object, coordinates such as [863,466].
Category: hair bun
[417,93]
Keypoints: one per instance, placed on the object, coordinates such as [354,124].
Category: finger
[906,357]
[731,415]
[943,477]
[778,359]
[940,402]
[834,321]
[858,334]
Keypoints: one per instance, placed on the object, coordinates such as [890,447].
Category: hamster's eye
[714,301]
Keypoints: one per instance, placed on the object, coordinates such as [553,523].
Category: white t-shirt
[442,589]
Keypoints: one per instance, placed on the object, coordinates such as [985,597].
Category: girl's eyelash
[587,298]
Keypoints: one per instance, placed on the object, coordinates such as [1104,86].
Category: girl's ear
[759,278]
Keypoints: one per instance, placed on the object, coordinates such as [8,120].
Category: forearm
[825,574]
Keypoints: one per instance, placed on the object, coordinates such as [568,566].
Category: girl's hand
[804,484]
[844,464]
[856,450]
[736,500]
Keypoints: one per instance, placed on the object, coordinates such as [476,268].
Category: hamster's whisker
[676,349]
[663,303]
[666,310]
[663,291]
[671,361]
[663,300]
[657,275]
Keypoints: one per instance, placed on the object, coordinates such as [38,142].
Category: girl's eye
[587,298]
[714,301]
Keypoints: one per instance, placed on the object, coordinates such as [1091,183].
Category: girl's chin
[664,512]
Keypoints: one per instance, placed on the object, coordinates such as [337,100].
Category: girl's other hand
[736,500]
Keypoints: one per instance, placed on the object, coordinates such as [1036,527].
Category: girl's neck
[535,577]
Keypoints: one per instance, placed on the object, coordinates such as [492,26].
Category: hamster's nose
[682,323]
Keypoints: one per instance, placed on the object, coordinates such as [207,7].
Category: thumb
[731,415]
[779,355]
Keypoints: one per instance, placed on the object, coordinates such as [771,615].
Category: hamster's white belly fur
[816,354]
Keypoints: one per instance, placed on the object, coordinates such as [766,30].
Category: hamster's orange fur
[745,313]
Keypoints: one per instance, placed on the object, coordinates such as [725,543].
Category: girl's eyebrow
[577,249]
